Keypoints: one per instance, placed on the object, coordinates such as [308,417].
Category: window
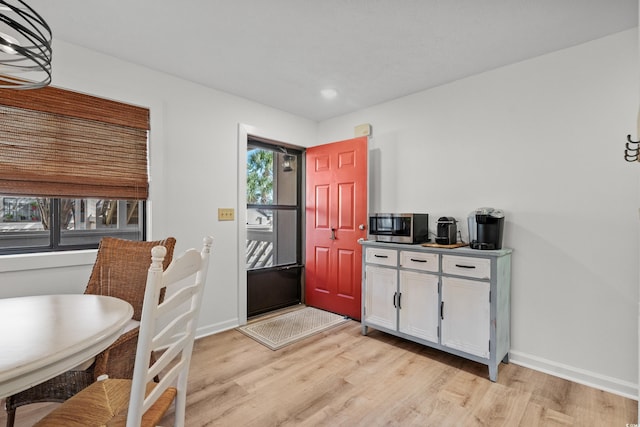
[73,168]
[31,224]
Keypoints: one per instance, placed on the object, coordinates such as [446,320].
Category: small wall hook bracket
[631,152]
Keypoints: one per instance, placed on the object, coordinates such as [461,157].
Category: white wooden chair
[167,329]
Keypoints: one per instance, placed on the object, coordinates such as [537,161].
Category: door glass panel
[272,210]
[271,237]
[259,238]
[259,176]
[286,180]
[285,232]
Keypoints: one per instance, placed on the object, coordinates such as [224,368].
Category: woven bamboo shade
[58,143]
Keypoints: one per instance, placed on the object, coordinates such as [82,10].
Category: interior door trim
[244,130]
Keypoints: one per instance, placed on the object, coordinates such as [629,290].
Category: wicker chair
[120,270]
[169,327]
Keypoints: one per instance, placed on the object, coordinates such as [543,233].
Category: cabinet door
[465,315]
[381,285]
[418,304]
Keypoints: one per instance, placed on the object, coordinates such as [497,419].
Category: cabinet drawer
[467,266]
[382,256]
[419,260]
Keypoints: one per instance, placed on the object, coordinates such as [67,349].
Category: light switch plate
[226,214]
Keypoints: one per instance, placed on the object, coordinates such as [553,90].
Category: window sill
[46,260]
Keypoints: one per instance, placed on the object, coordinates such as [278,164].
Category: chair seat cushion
[105,403]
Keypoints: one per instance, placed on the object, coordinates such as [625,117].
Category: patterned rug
[279,331]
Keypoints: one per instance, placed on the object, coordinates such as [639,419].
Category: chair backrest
[168,329]
[121,268]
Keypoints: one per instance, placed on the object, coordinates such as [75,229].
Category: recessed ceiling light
[329,93]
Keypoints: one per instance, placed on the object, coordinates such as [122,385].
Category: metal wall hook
[636,149]
[631,153]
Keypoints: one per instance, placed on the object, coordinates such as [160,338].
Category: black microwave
[399,228]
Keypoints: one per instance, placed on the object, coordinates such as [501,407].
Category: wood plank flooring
[341,378]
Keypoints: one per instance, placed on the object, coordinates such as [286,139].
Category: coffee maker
[486,226]
[447,231]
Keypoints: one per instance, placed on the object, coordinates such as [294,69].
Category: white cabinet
[418,305]
[382,285]
[404,301]
[465,315]
[455,300]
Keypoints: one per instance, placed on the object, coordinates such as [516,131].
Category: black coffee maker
[486,226]
[447,231]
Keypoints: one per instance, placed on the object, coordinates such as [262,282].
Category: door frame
[244,130]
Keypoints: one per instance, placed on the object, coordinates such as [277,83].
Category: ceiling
[283,52]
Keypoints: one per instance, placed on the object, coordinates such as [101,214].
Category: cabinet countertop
[465,250]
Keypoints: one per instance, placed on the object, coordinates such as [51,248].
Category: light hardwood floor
[341,378]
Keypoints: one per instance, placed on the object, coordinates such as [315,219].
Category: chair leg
[11,417]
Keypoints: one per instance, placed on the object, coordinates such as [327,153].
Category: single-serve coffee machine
[486,226]
[447,231]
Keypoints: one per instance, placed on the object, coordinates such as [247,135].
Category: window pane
[259,176]
[21,223]
[286,192]
[85,221]
[285,231]
[271,238]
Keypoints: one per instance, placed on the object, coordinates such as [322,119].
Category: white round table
[44,336]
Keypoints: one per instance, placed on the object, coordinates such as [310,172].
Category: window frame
[55,234]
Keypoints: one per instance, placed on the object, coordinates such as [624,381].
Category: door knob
[361,227]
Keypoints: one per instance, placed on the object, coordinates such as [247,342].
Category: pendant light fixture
[287,163]
[287,160]
[25,47]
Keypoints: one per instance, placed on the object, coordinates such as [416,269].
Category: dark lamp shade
[287,163]
[25,47]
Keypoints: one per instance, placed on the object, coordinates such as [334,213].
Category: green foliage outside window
[260,177]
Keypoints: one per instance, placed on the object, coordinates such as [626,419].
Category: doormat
[279,331]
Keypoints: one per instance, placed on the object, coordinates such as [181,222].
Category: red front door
[336,217]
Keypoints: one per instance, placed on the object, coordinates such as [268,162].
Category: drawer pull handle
[418,260]
[399,297]
[395,294]
[381,256]
[465,266]
[442,310]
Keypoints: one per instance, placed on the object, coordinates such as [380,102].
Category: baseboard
[205,331]
[581,376]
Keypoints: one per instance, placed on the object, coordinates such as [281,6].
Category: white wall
[193,160]
[542,139]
